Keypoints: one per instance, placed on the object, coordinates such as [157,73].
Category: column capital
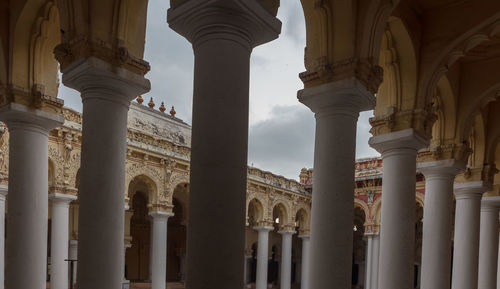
[96,78]
[160,214]
[304,237]
[64,199]
[17,115]
[441,169]
[347,96]
[263,228]
[287,232]
[4,190]
[490,203]
[470,190]
[244,21]
[403,139]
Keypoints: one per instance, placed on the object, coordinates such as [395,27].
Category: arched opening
[359,248]
[137,257]
[280,217]
[255,215]
[176,240]
[302,228]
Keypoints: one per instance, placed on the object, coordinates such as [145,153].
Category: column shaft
[106,93]
[436,243]
[262,256]
[159,250]
[397,234]
[336,106]
[375,263]
[73,255]
[488,243]
[286,259]
[3,194]
[368,261]
[466,241]
[26,245]
[59,241]
[223,36]
[305,262]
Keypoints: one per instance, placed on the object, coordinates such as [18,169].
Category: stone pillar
[73,255]
[159,249]
[371,261]
[247,271]
[466,240]
[397,234]
[498,267]
[106,93]
[305,261]
[262,256]
[437,233]
[336,106]
[26,245]
[286,258]
[223,34]
[488,243]
[3,195]
[59,240]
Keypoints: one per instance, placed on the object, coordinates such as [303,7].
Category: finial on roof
[151,103]
[172,111]
[139,99]
[162,107]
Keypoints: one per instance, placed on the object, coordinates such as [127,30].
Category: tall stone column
[371,261]
[3,195]
[488,243]
[466,241]
[304,281]
[436,243]
[59,241]
[286,258]
[336,106]
[159,249]
[106,93]
[73,255]
[223,34]
[26,245]
[498,267]
[397,234]
[262,256]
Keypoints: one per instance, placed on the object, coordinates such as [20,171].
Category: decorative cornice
[34,98]
[369,74]
[457,151]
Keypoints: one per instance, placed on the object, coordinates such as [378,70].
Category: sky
[281,133]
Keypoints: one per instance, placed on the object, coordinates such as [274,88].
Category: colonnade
[222,46]
[286,258]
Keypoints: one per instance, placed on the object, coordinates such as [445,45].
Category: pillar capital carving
[84,47]
[458,151]
[96,78]
[4,190]
[403,139]
[63,199]
[244,21]
[491,203]
[442,168]
[286,231]
[160,214]
[420,120]
[470,190]
[263,228]
[362,69]
[17,115]
[347,96]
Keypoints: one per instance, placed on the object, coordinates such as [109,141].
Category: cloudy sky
[281,137]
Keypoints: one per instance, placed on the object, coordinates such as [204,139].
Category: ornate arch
[262,199]
[286,210]
[136,169]
[58,165]
[152,188]
[176,178]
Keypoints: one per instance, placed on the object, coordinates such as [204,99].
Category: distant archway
[176,240]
